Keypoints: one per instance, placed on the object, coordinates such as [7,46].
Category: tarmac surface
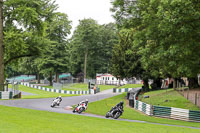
[67,102]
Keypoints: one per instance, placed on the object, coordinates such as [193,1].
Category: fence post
[195,98]
[198,100]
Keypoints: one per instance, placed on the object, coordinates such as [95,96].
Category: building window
[103,78]
[112,78]
[108,78]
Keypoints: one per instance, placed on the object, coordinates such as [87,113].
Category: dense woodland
[150,39]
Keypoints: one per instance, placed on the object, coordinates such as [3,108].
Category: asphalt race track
[44,104]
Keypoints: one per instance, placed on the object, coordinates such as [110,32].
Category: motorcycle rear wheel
[117,115]
[81,110]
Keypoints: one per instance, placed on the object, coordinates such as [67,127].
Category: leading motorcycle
[56,102]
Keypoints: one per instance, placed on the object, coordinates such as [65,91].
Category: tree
[172,39]
[91,48]
[126,60]
[85,41]
[24,27]
[167,34]
[1,47]
[108,35]
[54,58]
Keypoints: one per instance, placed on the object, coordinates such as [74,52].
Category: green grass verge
[169,98]
[130,86]
[106,87]
[84,86]
[18,120]
[39,93]
[73,87]
[77,86]
[103,106]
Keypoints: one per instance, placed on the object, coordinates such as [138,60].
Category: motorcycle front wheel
[53,105]
[107,114]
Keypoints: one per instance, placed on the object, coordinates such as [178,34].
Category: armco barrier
[56,90]
[167,112]
[143,107]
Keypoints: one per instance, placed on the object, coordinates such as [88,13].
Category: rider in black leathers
[119,105]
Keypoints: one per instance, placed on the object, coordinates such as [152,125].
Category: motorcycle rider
[84,101]
[59,98]
[119,105]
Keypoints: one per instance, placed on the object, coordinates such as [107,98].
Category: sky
[76,10]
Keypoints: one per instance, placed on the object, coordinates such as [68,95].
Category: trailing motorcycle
[80,108]
[115,113]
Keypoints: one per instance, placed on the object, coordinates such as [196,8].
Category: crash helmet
[86,100]
[122,102]
[59,96]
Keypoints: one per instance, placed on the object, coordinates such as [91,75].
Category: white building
[108,79]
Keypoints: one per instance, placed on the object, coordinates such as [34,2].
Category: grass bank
[18,120]
[84,86]
[130,86]
[103,106]
[39,93]
[169,98]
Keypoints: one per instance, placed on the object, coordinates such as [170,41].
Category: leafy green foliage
[54,59]
[91,46]
[125,59]
[166,35]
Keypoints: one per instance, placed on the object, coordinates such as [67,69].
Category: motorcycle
[80,108]
[56,102]
[115,113]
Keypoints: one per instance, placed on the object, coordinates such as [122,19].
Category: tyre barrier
[115,90]
[91,91]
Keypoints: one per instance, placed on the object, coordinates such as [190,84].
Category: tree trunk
[57,77]
[50,79]
[38,77]
[119,82]
[85,65]
[156,84]
[1,48]
[146,85]
[193,83]
[175,83]
[159,83]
